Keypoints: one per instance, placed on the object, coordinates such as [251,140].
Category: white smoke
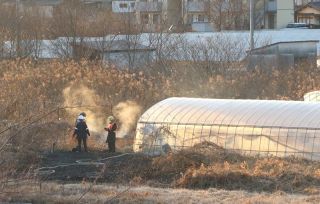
[127,113]
[79,98]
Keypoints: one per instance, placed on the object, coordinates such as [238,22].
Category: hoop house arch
[312,96]
[279,128]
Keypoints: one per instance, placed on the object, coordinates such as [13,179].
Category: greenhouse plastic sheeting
[312,96]
[264,127]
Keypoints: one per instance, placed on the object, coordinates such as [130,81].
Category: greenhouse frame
[251,127]
[312,96]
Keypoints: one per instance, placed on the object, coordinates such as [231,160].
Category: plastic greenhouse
[312,96]
[279,128]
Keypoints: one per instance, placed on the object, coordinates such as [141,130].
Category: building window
[123,5]
[156,18]
[190,19]
[200,18]
[145,18]
[132,4]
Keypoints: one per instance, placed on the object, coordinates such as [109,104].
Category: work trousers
[111,142]
[84,141]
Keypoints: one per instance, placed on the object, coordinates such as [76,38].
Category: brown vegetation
[29,87]
[35,120]
[32,103]
[205,166]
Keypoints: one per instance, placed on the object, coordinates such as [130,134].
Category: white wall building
[124,6]
[195,15]
[285,13]
[278,13]
[152,14]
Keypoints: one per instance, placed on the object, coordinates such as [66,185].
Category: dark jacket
[111,132]
[81,129]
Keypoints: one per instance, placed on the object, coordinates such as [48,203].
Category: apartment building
[278,13]
[124,6]
[195,15]
[152,14]
[198,15]
[299,3]
[169,13]
[191,15]
[46,7]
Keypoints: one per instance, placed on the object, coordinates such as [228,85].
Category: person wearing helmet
[81,114]
[82,132]
[111,139]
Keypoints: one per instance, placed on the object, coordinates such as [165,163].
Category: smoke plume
[79,98]
[127,113]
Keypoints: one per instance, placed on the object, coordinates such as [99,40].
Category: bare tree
[215,10]
[74,22]
[233,15]
[23,29]
[7,24]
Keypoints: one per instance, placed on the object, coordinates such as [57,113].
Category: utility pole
[17,29]
[251,25]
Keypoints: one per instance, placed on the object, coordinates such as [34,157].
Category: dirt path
[52,192]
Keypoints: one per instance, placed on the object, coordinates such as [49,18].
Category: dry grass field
[203,174]
[108,193]
[34,121]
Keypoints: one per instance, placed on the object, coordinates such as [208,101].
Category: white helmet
[81,117]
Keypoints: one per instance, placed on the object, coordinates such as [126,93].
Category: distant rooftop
[115,46]
[285,42]
[315,5]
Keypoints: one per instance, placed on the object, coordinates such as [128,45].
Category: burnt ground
[202,167]
[82,165]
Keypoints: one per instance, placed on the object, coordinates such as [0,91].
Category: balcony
[196,7]
[149,6]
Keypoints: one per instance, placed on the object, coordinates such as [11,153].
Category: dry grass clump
[43,136]
[22,153]
[38,85]
[208,165]
[205,166]
[52,192]
[232,171]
